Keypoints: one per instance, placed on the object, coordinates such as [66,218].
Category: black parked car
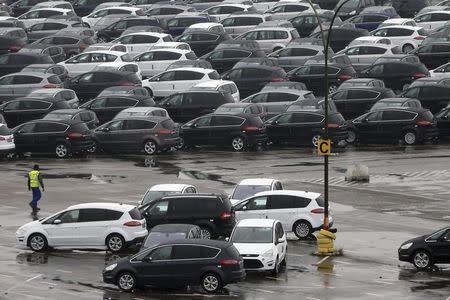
[433,95]
[15,62]
[341,37]
[241,107]
[202,41]
[306,22]
[116,29]
[407,8]
[305,128]
[72,44]
[434,55]
[176,264]
[22,6]
[426,250]
[56,53]
[185,106]
[389,125]
[313,75]
[355,101]
[83,115]
[211,212]
[396,102]
[106,107]
[224,59]
[239,131]
[443,122]
[60,137]
[148,134]
[169,232]
[89,85]
[252,79]
[396,75]
[25,109]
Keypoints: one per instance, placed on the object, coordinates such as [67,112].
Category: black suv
[178,263]
[211,212]
[185,106]
[240,131]
[224,58]
[389,125]
[434,96]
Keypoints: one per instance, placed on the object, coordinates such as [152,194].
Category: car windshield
[349,4]
[151,196]
[131,114]
[437,234]
[112,92]
[245,191]
[155,238]
[58,116]
[41,94]
[35,69]
[252,235]
[233,110]
[386,104]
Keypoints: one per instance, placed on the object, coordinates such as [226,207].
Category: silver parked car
[297,55]
[239,23]
[67,95]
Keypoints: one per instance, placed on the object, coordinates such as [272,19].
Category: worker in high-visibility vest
[34,184]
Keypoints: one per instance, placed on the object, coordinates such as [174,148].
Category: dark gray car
[169,232]
[83,115]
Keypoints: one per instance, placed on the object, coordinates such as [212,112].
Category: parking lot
[407,196]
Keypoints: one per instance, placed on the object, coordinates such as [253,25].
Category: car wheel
[238,143]
[150,147]
[409,138]
[276,268]
[332,88]
[126,282]
[211,283]
[61,150]
[407,48]
[150,92]
[422,260]
[115,243]
[37,242]
[302,229]
[206,233]
[93,149]
[315,140]
[351,138]
[181,145]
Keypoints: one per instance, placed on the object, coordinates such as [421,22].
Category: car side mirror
[445,117]
[167,104]
[57,221]
[281,240]
[148,259]
[364,120]
[106,129]
[227,239]
[244,207]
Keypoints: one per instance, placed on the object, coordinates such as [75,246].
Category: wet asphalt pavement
[408,195]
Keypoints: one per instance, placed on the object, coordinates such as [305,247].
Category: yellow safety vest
[34,179]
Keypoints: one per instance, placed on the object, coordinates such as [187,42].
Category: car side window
[375,116]
[70,216]
[115,125]
[203,122]
[193,252]
[278,186]
[162,253]
[257,203]
[159,209]
[446,236]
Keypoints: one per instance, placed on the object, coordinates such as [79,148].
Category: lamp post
[326,45]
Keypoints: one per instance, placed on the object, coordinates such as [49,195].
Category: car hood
[415,240]
[28,225]
[252,248]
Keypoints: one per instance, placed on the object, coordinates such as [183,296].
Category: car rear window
[168,124]
[426,115]
[214,75]
[255,121]
[320,202]
[135,214]
[54,79]
[80,127]
[4,130]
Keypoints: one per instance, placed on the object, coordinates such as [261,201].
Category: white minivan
[110,226]
[299,211]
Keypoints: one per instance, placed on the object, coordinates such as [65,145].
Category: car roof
[141,109]
[402,26]
[172,50]
[304,194]
[172,228]
[68,111]
[104,205]
[51,8]
[201,242]
[284,90]
[396,99]
[67,122]
[200,70]
[31,98]
[238,104]
[156,34]
[170,187]
[116,64]
[212,83]
[257,181]
[272,28]
[157,119]
[117,53]
[49,91]
[36,74]
[257,223]
[205,25]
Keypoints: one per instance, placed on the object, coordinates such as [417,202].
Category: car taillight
[228,262]
[74,135]
[419,75]
[423,123]
[331,125]
[14,48]
[82,46]
[344,77]
[132,224]
[127,83]
[419,37]
[225,215]
[2,138]
[163,131]
[278,79]
[317,211]
[50,86]
[251,128]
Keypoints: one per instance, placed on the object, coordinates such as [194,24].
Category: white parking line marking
[49,283]
[274,278]
[265,291]
[311,298]
[342,262]
[383,282]
[33,278]
[63,271]
[299,255]
[7,276]
[351,251]
[375,295]
[332,274]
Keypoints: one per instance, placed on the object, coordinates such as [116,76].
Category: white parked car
[139,42]
[155,61]
[398,21]
[171,45]
[160,190]
[441,71]
[221,11]
[35,16]
[226,86]
[284,10]
[270,39]
[238,24]
[262,244]
[433,19]
[106,46]
[93,17]
[177,80]
[249,187]
[365,40]
[86,62]
[109,226]
[363,56]
[209,27]
[120,66]
[300,212]
[6,140]
[142,112]
[406,37]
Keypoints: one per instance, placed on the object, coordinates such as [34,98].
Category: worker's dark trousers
[36,197]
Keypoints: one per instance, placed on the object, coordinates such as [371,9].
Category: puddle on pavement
[434,279]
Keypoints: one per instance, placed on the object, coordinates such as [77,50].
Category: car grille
[249,255]
[252,264]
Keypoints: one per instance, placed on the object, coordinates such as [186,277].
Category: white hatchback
[262,244]
[225,86]
[300,212]
[109,226]
[6,140]
[251,186]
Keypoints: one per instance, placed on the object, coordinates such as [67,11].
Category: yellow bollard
[325,242]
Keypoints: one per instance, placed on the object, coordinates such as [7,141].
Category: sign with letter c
[324,147]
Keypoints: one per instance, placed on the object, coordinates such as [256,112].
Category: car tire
[115,243]
[126,281]
[352,137]
[407,48]
[211,283]
[93,149]
[37,242]
[206,232]
[332,88]
[302,229]
[150,92]
[409,138]
[62,150]
[422,260]
[284,261]
[238,143]
[315,140]
[150,147]
[276,268]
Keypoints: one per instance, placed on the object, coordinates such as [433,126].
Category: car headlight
[353,12]
[20,231]
[268,254]
[111,267]
[406,246]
